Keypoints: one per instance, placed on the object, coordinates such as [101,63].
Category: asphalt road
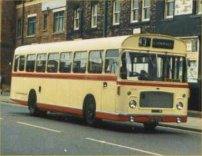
[58,134]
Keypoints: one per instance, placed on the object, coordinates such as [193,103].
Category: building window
[198,6]
[146,6]
[116,12]
[45,19]
[31,26]
[134,11]
[169,8]
[76,19]
[58,25]
[94,16]
[19,28]
[192,45]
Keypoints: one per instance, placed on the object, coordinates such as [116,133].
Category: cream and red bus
[138,78]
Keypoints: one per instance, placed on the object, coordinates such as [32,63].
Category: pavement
[194,121]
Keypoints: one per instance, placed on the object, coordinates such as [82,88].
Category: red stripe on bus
[98,78]
[67,76]
[60,109]
[24,103]
[109,116]
[152,84]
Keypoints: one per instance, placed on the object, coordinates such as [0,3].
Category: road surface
[59,134]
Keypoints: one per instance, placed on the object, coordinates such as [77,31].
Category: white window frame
[116,12]
[76,19]
[58,28]
[198,7]
[28,24]
[134,9]
[146,8]
[167,3]
[94,14]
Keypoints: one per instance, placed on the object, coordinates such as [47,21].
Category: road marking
[13,104]
[122,146]
[1,118]
[35,126]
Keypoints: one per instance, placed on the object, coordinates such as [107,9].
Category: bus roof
[119,42]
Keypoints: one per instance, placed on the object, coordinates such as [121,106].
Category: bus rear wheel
[90,111]
[32,105]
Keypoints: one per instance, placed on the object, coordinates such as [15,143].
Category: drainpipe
[23,16]
[104,30]
[200,64]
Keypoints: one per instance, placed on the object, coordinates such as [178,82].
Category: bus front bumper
[145,119]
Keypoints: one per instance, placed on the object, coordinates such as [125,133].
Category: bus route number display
[144,42]
[156,43]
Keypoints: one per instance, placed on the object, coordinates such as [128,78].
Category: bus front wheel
[90,111]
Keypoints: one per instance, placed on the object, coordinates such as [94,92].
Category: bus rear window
[80,61]
[16,63]
[30,63]
[22,63]
[53,62]
[41,63]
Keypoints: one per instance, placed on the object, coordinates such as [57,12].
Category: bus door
[109,86]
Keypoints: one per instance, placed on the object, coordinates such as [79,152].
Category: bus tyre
[90,111]
[32,101]
[150,126]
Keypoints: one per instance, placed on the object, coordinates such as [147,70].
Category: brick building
[40,21]
[7,37]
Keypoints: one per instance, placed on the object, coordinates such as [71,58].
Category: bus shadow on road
[107,125]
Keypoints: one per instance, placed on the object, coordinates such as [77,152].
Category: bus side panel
[109,93]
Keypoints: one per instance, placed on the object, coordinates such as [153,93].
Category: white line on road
[35,126]
[13,104]
[122,146]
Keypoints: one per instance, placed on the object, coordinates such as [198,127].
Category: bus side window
[65,62]
[53,62]
[41,62]
[111,61]
[80,62]
[16,63]
[95,62]
[30,63]
[22,63]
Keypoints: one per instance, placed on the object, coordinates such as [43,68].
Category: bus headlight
[132,104]
[179,106]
